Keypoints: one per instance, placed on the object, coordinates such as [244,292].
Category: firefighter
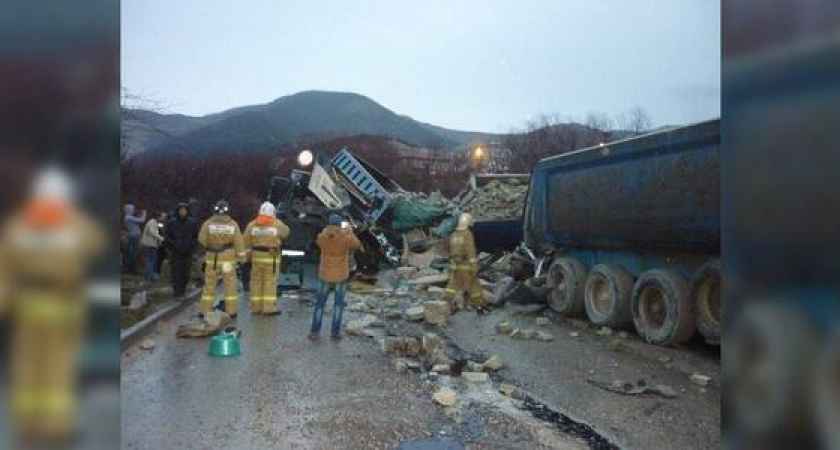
[336,242]
[222,241]
[464,271]
[263,238]
[46,250]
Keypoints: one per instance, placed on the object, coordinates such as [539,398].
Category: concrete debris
[437,279]
[476,377]
[441,369]
[438,357]
[391,303]
[700,380]
[435,289]
[507,389]
[148,344]
[574,334]
[504,328]
[522,334]
[401,346]
[138,301]
[356,327]
[640,387]
[416,313]
[445,397]
[493,363]
[394,315]
[604,331]
[432,343]
[473,366]
[357,307]
[498,199]
[623,335]
[406,272]
[544,336]
[542,321]
[436,312]
[405,365]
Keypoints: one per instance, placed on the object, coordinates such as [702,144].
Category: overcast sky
[485,65]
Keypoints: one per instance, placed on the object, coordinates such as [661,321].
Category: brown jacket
[336,244]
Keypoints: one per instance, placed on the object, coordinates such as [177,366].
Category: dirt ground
[286,391]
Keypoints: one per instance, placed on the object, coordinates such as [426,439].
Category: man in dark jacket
[181,240]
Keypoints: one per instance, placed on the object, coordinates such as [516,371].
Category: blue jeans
[151,256]
[338,306]
[131,254]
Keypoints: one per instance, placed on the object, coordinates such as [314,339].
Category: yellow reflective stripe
[263,260]
[50,310]
[450,290]
[207,298]
[51,401]
[230,298]
[219,260]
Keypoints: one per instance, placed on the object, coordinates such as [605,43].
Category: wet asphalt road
[288,392]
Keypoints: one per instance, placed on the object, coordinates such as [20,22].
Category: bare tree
[133,122]
[636,120]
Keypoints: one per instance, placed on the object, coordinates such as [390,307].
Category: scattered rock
[664,359]
[394,315]
[356,307]
[639,388]
[138,301]
[401,346]
[473,366]
[445,397]
[431,343]
[356,327]
[440,279]
[404,365]
[406,272]
[623,334]
[416,313]
[523,334]
[148,344]
[504,328]
[476,377]
[493,363]
[544,336]
[574,334]
[391,303]
[543,321]
[604,331]
[436,312]
[700,380]
[507,389]
[441,368]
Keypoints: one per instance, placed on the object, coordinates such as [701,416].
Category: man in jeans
[336,242]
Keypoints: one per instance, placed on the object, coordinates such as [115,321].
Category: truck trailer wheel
[705,301]
[566,280]
[607,296]
[661,307]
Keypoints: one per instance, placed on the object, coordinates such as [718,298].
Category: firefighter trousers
[222,264]
[463,277]
[263,284]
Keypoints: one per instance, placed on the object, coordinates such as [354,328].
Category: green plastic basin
[224,344]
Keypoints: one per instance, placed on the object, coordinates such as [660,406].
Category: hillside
[300,118]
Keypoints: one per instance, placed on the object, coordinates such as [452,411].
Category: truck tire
[566,280]
[607,296]
[661,307]
[705,301]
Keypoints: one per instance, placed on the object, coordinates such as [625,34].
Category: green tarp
[414,213]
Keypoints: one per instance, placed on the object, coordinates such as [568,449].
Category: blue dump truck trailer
[628,233]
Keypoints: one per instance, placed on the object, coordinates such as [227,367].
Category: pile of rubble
[498,199]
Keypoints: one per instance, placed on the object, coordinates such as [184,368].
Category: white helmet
[267,209]
[465,220]
[54,184]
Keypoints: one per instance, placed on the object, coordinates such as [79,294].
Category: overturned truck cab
[628,233]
